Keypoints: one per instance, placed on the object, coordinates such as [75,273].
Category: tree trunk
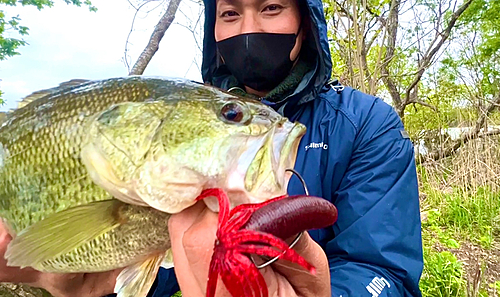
[392,33]
[154,42]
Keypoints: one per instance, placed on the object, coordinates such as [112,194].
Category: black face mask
[258,60]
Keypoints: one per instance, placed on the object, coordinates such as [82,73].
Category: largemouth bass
[89,174]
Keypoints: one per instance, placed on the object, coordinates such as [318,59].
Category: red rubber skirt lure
[260,229]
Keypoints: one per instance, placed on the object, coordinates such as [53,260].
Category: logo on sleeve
[316,145]
[376,286]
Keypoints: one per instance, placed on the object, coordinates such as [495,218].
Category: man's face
[235,17]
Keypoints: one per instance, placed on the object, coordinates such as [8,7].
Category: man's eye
[229,13]
[273,7]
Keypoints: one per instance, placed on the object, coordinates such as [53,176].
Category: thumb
[192,234]
[198,242]
[8,273]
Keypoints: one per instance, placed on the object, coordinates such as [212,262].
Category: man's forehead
[227,1]
[236,2]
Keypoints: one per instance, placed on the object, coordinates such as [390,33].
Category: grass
[464,215]
[442,275]
[460,203]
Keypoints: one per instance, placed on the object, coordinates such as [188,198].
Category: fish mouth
[286,153]
[267,174]
[260,172]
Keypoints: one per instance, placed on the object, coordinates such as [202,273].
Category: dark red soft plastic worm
[260,229]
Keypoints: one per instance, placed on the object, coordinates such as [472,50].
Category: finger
[78,284]
[100,284]
[198,243]
[178,224]
[302,281]
[13,274]
[97,284]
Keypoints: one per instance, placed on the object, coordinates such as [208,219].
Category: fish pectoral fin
[168,261]
[136,280]
[62,232]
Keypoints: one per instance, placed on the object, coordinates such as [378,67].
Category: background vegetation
[437,63]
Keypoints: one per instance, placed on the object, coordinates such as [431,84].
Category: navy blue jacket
[356,154]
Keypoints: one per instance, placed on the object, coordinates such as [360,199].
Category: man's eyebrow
[230,2]
[233,2]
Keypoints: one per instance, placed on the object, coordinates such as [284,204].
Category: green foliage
[461,215]
[442,275]
[496,286]
[483,17]
[448,97]
[347,36]
[10,45]
[471,215]
[462,75]
[46,3]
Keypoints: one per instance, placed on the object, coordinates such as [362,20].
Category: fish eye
[232,112]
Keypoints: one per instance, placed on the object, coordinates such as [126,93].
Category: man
[355,154]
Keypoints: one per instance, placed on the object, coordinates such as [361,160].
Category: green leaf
[10,44]
[452,243]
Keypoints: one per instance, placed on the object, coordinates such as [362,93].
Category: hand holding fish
[193,234]
[59,285]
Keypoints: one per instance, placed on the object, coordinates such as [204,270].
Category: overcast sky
[67,42]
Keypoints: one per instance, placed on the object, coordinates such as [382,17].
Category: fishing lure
[260,229]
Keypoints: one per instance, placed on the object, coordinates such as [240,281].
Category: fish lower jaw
[234,186]
[236,197]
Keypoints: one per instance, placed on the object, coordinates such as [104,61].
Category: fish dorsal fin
[72,83]
[42,93]
[3,117]
[32,97]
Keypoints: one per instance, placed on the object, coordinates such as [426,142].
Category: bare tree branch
[137,9]
[154,41]
[423,103]
[375,78]
[192,29]
[432,50]
[360,54]
[374,37]
[473,134]
[457,144]
[343,10]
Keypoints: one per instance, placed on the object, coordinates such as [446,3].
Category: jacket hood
[317,42]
